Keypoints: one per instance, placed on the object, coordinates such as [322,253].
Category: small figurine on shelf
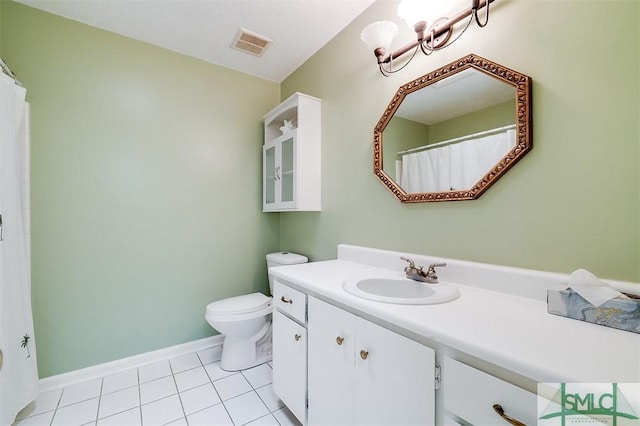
[287,127]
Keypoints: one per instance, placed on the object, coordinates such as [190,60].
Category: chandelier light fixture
[379,35]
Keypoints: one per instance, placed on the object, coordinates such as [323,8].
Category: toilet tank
[281,259]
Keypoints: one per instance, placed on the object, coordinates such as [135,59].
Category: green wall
[399,135]
[146,188]
[489,118]
[572,202]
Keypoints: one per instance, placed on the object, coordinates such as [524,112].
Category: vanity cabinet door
[331,361]
[290,364]
[363,374]
[395,383]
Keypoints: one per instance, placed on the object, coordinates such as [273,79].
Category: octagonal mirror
[451,134]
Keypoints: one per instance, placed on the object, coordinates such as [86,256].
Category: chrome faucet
[418,274]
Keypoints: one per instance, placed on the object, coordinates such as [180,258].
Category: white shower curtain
[426,171]
[457,166]
[472,159]
[18,368]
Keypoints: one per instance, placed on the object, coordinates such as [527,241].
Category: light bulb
[414,11]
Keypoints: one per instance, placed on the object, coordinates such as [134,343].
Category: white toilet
[245,321]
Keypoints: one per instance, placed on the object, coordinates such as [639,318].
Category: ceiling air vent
[250,42]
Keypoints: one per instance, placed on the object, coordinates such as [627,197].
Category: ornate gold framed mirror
[451,134]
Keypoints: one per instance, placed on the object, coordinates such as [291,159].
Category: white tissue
[591,288]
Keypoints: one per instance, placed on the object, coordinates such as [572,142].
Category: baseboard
[113,367]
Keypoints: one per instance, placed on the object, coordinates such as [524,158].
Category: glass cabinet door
[279,176]
[287,170]
[270,175]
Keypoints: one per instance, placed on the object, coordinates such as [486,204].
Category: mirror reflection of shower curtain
[426,171]
[457,166]
[18,368]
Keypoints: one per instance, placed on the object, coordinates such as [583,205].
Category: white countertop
[510,331]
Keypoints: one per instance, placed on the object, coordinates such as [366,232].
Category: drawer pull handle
[286,300]
[364,354]
[498,409]
[297,337]
[339,340]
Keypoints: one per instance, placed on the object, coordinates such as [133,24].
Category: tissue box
[620,313]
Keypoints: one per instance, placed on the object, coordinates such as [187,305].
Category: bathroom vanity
[477,359]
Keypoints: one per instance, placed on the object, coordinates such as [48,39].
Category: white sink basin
[401,291]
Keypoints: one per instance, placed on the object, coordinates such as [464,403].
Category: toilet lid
[239,304]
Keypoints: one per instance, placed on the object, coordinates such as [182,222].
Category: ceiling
[459,94]
[205,29]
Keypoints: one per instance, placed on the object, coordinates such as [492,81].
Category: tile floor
[188,390]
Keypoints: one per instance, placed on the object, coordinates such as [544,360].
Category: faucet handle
[431,272]
[411,262]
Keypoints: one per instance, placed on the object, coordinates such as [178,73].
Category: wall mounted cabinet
[291,156]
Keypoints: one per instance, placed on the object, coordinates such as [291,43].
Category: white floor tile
[269,398]
[286,417]
[191,378]
[77,414]
[126,418]
[209,355]
[216,415]
[259,376]
[232,386]
[185,362]
[217,373]
[118,402]
[199,398]
[46,401]
[154,371]
[177,392]
[158,389]
[163,411]
[43,419]
[122,380]
[180,422]
[81,392]
[267,420]
[246,408]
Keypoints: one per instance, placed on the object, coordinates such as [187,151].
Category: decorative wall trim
[113,367]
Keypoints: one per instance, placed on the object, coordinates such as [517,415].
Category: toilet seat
[240,305]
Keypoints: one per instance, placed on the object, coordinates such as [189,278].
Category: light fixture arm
[439,30]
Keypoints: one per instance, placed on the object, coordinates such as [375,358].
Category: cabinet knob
[498,409]
[286,300]
[339,340]
[364,354]
[297,337]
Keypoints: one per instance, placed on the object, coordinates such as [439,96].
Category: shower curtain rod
[456,140]
[7,71]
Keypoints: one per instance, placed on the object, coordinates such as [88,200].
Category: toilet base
[260,359]
[243,353]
